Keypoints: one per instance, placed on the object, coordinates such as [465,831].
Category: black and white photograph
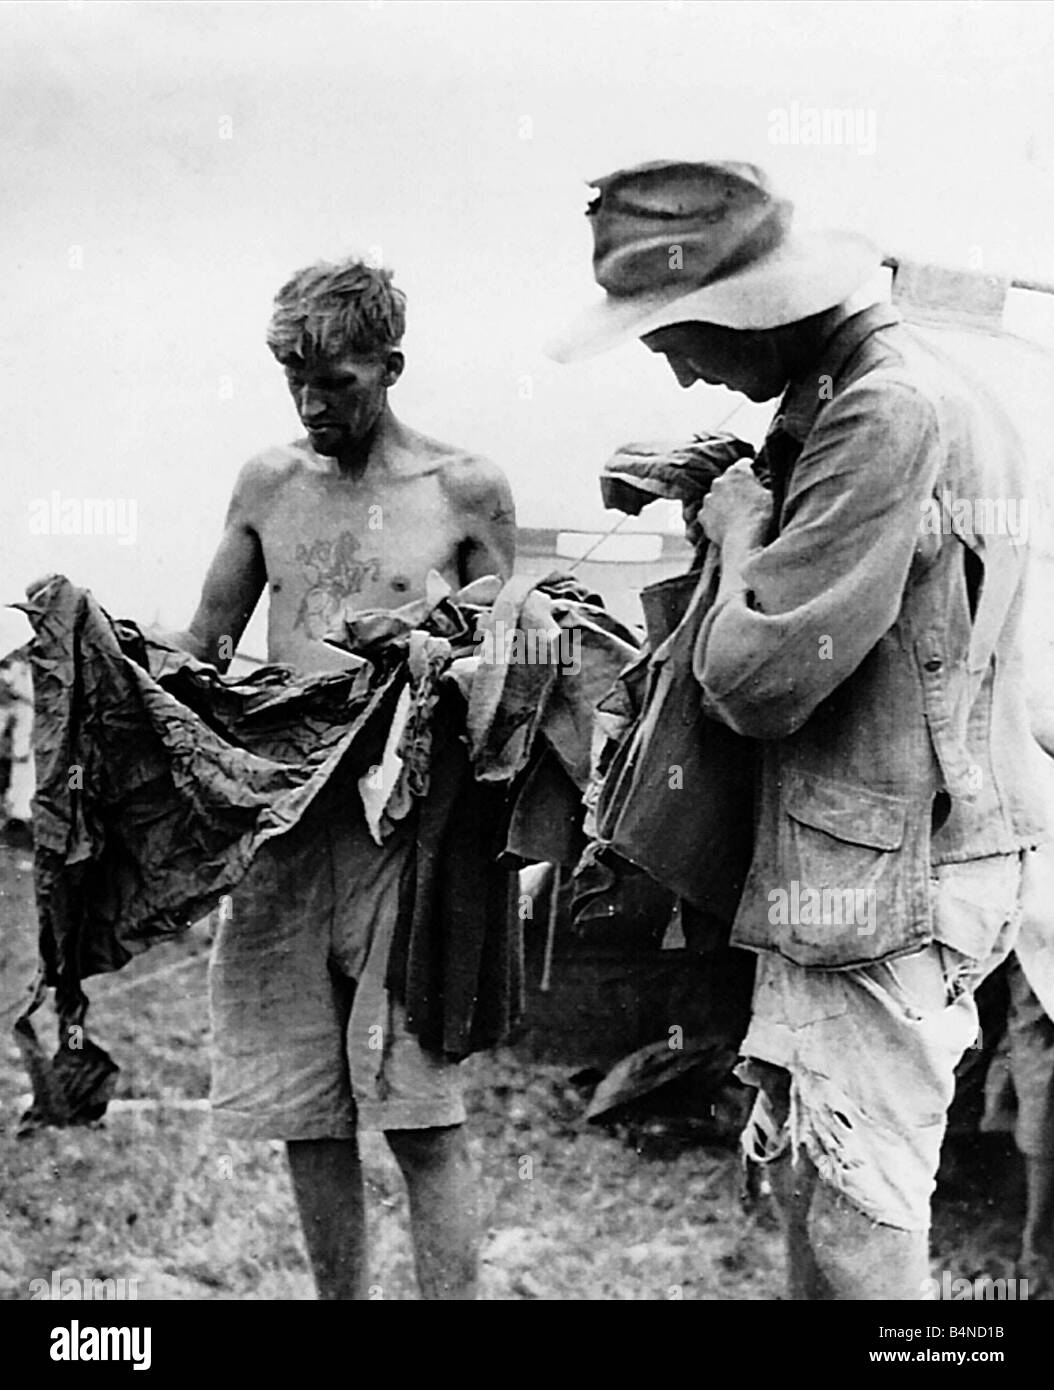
[527,663]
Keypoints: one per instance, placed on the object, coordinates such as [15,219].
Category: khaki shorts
[307,1042]
[871,1053]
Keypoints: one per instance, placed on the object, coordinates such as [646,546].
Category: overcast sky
[166,166]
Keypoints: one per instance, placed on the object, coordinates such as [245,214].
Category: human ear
[393,369]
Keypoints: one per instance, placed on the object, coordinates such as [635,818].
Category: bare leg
[793,1186]
[861,1259]
[441,1186]
[1031,1034]
[1037,1240]
[793,1183]
[327,1184]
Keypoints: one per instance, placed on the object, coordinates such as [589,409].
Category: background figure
[16,748]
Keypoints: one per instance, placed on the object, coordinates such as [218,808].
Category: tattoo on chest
[334,572]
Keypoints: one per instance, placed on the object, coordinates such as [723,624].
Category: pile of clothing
[159,780]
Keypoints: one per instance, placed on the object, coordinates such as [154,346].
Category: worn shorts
[871,1053]
[307,1042]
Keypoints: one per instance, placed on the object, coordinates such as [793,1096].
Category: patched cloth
[871,1053]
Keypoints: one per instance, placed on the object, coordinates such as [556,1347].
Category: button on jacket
[876,651]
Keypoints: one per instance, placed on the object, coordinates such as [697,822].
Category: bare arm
[485,500]
[234,582]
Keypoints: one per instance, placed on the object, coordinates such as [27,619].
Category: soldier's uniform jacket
[877,651]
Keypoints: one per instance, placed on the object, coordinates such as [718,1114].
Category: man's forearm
[214,653]
[182,638]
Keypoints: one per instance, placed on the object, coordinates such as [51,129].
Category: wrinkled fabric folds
[159,780]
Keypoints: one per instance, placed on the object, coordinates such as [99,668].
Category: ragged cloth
[681,472]
[160,781]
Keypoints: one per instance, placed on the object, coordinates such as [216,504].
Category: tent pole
[1036,286]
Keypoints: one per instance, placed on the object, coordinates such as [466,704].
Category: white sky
[457,138]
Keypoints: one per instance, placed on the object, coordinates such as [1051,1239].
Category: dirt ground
[570,1210]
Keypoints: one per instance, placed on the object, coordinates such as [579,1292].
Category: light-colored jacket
[877,653]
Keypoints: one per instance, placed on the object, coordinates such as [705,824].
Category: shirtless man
[353,516]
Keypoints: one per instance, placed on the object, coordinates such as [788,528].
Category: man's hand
[736,505]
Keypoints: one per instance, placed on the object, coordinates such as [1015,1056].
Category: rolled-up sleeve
[822,594]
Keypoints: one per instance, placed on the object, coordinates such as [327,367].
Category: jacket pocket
[853,874]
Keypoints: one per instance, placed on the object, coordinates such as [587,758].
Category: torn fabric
[159,780]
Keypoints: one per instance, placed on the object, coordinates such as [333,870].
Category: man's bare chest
[330,551]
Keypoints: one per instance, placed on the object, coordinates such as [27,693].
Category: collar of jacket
[801,401]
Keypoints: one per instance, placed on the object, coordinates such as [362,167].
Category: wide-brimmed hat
[709,243]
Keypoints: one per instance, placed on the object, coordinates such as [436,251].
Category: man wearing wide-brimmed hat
[876,659]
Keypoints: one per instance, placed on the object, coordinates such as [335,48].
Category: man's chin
[328,443]
[761,395]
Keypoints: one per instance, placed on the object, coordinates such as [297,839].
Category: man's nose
[310,404]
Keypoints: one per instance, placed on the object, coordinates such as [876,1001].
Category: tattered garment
[159,780]
[637,474]
[513,701]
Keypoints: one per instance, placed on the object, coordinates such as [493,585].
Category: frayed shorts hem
[238,1124]
[382,1115]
